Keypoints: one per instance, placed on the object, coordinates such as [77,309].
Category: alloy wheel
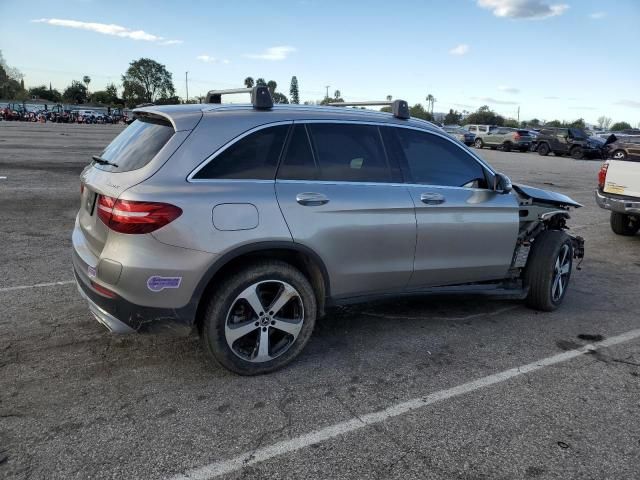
[264,321]
[561,271]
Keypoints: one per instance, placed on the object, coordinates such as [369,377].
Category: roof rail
[399,108]
[260,96]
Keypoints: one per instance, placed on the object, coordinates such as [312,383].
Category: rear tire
[548,270]
[478,143]
[543,149]
[285,330]
[506,147]
[626,225]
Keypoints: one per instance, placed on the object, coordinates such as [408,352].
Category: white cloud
[494,101]
[108,29]
[206,58]
[523,8]
[461,49]
[504,88]
[629,103]
[209,59]
[273,53]
[597,15]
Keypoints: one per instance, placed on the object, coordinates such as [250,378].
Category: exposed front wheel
[619,155]
[260,318]
[548,270]
[577,153]
[622,224]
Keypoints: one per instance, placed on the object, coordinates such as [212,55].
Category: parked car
[624,147]
[619,191]
[505,138]
[480,130]
[460,134]
[245,222]
[571,141]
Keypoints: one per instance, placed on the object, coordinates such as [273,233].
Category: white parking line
[37,285]
[294,444]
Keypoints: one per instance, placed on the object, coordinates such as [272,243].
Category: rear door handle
[311,199]
[432,198]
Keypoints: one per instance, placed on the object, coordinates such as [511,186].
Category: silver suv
[244,222]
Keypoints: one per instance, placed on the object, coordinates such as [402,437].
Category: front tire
[577,153]
[619,155]
[260,318]
[626,225]
[548,270]
[478,143]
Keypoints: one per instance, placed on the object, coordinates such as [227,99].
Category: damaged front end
[541,210]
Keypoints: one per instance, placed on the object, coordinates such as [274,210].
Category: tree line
[147,81]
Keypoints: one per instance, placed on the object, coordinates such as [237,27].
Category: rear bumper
[121,316]
[620,205]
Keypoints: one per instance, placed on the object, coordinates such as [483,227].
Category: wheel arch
[300,256]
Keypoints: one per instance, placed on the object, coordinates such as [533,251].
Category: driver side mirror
[502,183]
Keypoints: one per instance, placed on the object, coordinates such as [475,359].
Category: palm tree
[336,94]
[248,82]
[389,98]
[272,85]
[430,99]
[86,80]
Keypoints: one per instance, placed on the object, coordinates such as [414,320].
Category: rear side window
[351,153]
[136,145]
[254,157]
[432,160]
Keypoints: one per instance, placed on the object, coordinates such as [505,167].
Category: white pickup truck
[619,191]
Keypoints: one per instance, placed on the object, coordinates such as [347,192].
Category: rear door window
[254,157]
[298,162]
[433,160]
[136,145]
[349,152]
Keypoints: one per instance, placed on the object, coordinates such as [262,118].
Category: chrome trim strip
[443,135]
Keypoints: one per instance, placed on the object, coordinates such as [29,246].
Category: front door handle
[311,199]
[432,198]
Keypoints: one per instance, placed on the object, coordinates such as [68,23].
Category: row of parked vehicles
[60,114]
[575,142]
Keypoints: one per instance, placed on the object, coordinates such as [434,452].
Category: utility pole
[186,81]
[327,87]
[518,115]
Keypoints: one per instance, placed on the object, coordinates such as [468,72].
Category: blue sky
[560,59]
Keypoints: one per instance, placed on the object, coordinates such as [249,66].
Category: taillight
[516,136]
[128,216]
[602,175]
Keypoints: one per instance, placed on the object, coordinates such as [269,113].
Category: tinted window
[136,145]
[298,163]
[433,160]
[351,153]
[253,157]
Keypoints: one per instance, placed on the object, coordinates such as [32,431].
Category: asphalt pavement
[458,387]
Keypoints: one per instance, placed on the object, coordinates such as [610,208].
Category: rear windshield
[523,132]
[136,145]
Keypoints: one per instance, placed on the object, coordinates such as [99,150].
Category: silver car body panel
[369,237]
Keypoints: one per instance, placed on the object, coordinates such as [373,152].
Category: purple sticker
[91,271]
[156,284]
